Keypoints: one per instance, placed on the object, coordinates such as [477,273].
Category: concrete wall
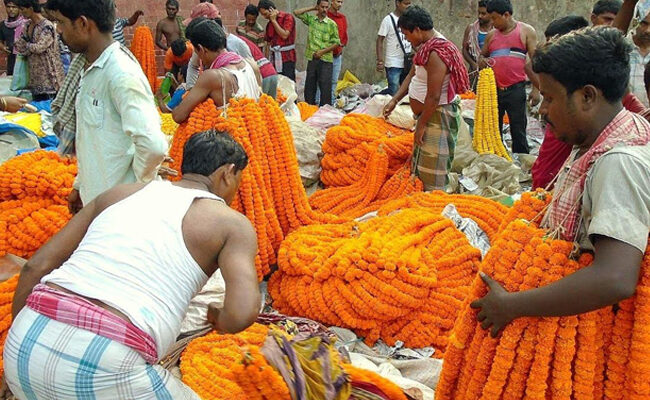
[364,16]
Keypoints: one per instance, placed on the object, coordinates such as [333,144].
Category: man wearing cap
[281,36]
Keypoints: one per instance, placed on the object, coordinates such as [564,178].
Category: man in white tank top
[110,290]
[225,74]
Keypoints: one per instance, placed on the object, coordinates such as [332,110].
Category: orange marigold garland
[143,49]
[7,289]
[388,388]
[306,110]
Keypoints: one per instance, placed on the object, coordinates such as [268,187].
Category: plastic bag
[325,118]
[348,80]
[21,74]
[308,142]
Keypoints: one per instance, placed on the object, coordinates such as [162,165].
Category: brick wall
[154,10]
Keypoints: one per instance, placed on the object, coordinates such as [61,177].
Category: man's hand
[534,98]
[139,13]
[14,104]
[495,311]
[318,54]
[380,65]
[74,202]
[418,138]
[273,14]
[165,171]
[388,108]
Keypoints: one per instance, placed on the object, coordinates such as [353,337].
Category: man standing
[8,33]
[604,12]
[395,60]
[602,199]
[335,14]
[322,41]
[121,23]
[171,27]
[281,36]
[474,39]
[507,47]
[639,58]
[118,137]
[250,28]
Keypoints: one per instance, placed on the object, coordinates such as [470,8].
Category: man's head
[414,23]
[207,37]
[217,156]
[179,47]
[336,5]
[206,10]
[483,15]
[402,5]
[80,21]
[12,9]
[321,8]
[172,7]
[205,1]
[564,25]
[500,12]
[28,7]
[605,11]
[251,15]
[265,7]
[576,88]
[642,33]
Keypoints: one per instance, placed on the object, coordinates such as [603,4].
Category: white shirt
[118,139]
[637,69]
[393,55]
[233,43]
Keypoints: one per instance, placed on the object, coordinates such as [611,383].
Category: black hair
[206,33]
[10,1]
[205,152]
[576,60]
[646,77]
[320,1]
[219,22]
[499,6]
[607,6]
[33,4]
[251,10]
[266,5]
[205,1]
[173,3]
[100,11]
[564,25]
[416,17]
[482,4]
[179,47]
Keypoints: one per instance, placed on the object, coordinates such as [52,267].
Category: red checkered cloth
[564,211]
[453,59]
[81,313]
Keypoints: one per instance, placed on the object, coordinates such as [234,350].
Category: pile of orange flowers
[597,355]
[7,289]
[401,277]
[306,110]
[34,188]
[143,49]
[271,194]
[349,146]
[370,192]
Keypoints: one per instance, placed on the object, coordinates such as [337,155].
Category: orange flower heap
[7,289]
[306,110]
[143,49]
[33,200]
[400,277]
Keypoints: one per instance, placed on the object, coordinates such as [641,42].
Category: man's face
[412,36]
[71,32]
[483,16]
[322,8]
[403,5]
[171,11]
[604,19]
[12,10]
[265,13]
[643,31]
[561,111]
[26,12]
[251,19]
[499,21]
[337,4]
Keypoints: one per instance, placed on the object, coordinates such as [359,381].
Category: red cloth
[287,22]
[552,156]
[342,23]
[226,58]
[171,59]
[81,313]
[453,59]
[633,104]
[266,68]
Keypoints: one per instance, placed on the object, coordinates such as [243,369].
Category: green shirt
[322,34]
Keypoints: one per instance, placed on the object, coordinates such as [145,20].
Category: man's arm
[141,122]
[399,95]
[612,277]
[379,49]
[237,263]
[625,15]
[466,54]
[485,51]
[159,36]
[279,29]
[436,71]
[42,41]
[299,12]
[209,80]
[531,47]
[193,71]
[134,18]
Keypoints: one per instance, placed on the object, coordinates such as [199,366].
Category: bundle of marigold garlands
[271,194]
[487,138]
[402,276]
[233,367]
[603,354]
[34,188]
[143,49]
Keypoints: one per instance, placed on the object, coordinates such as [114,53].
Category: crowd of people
[74,307]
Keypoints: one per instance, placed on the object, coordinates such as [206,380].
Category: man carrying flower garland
[602,197]
[102,302]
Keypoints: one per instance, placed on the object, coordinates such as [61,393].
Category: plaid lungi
[432,161]
[47,359]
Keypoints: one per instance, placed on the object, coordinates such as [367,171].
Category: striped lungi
[47,359]
[432,161]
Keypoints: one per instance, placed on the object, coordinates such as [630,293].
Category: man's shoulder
[623,161]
